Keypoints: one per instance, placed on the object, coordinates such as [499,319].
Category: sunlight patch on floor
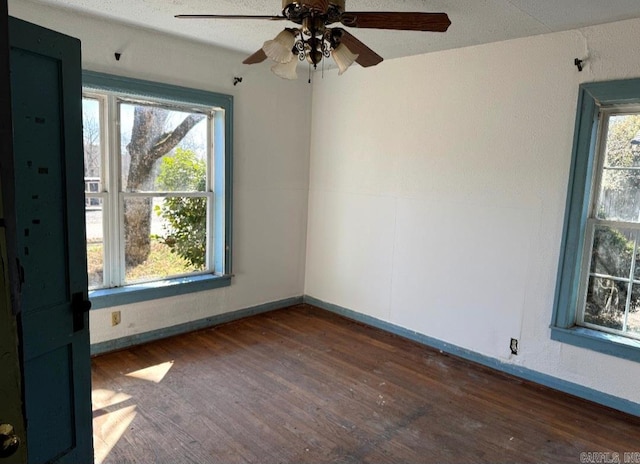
[104,398]
[108,429]
[154,373]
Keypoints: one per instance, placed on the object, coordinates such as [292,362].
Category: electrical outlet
[513,345]
[115,318]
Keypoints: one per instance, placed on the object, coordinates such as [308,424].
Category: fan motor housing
[298,11]
[337,4]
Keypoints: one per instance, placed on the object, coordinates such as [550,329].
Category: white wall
[437,193]
[271,162]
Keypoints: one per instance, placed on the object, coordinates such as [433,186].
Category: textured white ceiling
[473,21]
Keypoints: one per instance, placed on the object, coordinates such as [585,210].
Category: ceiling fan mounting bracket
[300,11]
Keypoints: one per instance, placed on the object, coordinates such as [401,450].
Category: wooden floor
[301,385]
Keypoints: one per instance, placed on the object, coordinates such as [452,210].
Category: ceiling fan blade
[366,56]
[215,16]
[434,22]
[257,57]
[322,5]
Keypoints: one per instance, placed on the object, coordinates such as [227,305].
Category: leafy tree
[150,141]
[186,217]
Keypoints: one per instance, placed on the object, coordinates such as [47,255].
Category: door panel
[49,198]
[58,404]
[40,180]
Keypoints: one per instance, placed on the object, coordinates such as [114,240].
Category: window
[157,189]
[597,302]
[610,289]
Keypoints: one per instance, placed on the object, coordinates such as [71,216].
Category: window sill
[610,344]
[109,297]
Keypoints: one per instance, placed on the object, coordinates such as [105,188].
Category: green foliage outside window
[186,230]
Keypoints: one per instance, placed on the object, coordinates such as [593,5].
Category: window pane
[612,251]
[621,132]
[620,184]
[164,237]
[163,150]
[633,320]
[91,138]
[606,301]
[95,246]
[620,196]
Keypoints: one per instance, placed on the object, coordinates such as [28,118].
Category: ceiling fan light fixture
[287,70]
[343,58]
[315,40]
[279,49]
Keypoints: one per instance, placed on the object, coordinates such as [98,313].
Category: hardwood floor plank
[301,385]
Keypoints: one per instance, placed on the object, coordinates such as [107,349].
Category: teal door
[49,207]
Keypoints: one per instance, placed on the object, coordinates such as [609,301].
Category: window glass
[91,138]
[93,149]
[151,136]
[167,255]
[611,287]
[95,247]
[619,198]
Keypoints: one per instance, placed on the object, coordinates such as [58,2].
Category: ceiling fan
[314,40]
